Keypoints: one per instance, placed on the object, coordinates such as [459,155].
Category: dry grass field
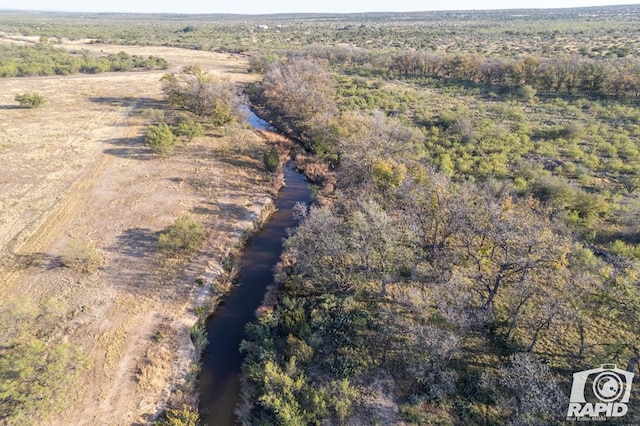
[77,169]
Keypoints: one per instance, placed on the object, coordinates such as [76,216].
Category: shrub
[161,140]
[388,174]
[183,416]
[183,237]
[198,333]
[223,113]
[271,160]
[189,129]
[30,100]
[37,370]
[622,249]
[526,93]
[82,256]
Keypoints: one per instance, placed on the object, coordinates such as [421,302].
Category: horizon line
[314,13]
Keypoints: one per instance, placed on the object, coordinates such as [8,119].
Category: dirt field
[77,169]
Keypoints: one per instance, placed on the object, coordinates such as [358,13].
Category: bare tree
[529,391]
[203,94]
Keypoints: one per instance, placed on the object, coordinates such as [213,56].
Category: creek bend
[219,379]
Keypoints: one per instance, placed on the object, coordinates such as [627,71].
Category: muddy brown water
[219,380]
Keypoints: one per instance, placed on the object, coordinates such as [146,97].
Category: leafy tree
[203,94]
[529,392]
[388,174]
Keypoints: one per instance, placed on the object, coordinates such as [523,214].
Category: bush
[223,113]
[37,370]
[526,93]
[198,333]
[184,236]
[271,160]
[183,416]
[622,249]
[189,129]
[30,100]
[82,256]
[161,140]
[388,174]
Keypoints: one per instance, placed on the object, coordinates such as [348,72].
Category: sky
[290,6]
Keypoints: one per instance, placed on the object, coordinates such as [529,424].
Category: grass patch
[82,256]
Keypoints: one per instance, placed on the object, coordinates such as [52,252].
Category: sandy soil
[77,168]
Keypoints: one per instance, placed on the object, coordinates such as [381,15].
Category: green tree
[183,237]
[189,129]
[271,160]
[161,139]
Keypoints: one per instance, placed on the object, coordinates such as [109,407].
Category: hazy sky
[278,6]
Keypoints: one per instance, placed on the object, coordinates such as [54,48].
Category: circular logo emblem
[608,386]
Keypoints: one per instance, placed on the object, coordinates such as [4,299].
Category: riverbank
[219,381]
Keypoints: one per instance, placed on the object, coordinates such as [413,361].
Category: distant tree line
[572,75]
[45,60]
[619,78]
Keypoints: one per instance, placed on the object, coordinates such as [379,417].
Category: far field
[77,169]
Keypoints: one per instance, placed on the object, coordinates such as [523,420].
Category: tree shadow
[236,212]
[11,107]
[129,148]
[42,261]
[232,157]
[240,163]
[133,260]
[142,103]
[136,242]
[231,213]
[204,211]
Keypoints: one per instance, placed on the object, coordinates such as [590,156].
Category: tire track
[34,239]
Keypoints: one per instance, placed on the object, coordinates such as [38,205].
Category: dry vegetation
[477,178]
[79,188]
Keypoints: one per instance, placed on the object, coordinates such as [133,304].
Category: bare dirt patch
[77,169]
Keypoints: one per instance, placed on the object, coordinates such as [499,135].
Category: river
[219,380]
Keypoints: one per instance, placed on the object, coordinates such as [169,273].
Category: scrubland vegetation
[477,238]
[479,246]
[30,100]
[37,371]
[43,59]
